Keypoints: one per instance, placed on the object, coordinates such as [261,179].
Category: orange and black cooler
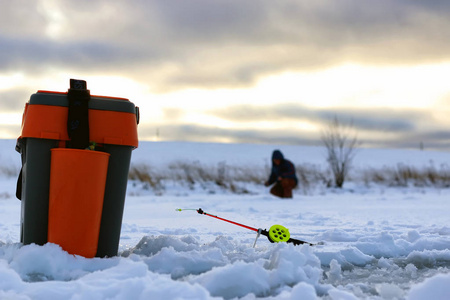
[76,152]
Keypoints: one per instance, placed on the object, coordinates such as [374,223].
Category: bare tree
[340,142]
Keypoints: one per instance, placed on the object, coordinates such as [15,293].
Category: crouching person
[283,175]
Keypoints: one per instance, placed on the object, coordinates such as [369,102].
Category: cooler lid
[112,120]
[96,102]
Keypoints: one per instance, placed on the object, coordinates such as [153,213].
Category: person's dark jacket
[285,169]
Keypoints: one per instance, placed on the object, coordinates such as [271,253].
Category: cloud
[13,100]
[200,133]
[374,119]
[429,139]
[204,44]
[375,127]
[34,55]
[222,43]
[9,131]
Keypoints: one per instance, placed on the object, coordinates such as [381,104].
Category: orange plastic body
[75,206]
[105,126]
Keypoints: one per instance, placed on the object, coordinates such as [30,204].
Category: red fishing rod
[276,233]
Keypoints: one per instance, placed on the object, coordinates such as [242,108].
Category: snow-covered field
[378,242]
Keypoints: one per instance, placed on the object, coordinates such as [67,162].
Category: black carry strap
[19,148]
[78,118]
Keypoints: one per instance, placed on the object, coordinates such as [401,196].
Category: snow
[377,243]
[436,287]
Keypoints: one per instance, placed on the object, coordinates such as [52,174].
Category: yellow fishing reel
[279,233]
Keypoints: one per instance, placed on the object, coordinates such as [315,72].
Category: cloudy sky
[256,71]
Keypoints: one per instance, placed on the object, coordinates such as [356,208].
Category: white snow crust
[372,243]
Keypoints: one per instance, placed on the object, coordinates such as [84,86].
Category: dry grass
[237,179]
[234,179]
[244,179]
[403,175]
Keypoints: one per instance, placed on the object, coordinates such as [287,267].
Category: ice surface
[390,243]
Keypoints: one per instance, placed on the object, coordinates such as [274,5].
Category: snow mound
[436,288]
[228,269]
[58,275]
[161,267]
